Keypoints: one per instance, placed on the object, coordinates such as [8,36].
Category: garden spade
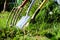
[37,11]
[20,24]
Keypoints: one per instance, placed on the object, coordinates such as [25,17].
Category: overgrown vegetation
[46,26]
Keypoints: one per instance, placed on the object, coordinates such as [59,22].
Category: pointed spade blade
[22,22]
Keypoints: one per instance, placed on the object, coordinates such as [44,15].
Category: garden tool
[20,24]
[37,11]
[13,13]
[18,12]
[10,15]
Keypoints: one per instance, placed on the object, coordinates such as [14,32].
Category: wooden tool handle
[25,1]
[22,5]
[37,11]
[42,4]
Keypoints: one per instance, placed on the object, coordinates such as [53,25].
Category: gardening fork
[10,15]
[17,14]
[13,13]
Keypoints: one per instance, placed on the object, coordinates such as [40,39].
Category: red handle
[24,2]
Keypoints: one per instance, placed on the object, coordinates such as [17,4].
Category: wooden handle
[24,2]
[38,9]
[42,4]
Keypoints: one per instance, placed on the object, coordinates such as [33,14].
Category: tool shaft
[38,9]
[30,7]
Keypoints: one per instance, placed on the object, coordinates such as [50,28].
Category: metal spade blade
[22,22]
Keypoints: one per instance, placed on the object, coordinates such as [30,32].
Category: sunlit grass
[3,19]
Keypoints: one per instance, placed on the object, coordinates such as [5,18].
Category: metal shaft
[29,8]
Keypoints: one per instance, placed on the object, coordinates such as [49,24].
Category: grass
[3,18]
[47,27]
[40,30]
